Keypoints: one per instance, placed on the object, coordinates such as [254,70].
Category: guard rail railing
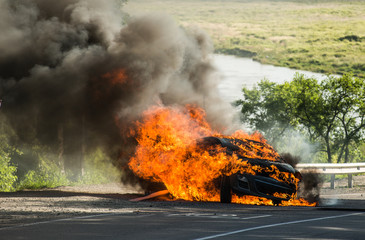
[334,169]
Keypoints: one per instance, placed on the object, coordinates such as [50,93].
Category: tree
[310,110]
[348,95]
[331,112]
[263,109]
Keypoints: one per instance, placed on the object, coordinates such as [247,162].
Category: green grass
[320,36]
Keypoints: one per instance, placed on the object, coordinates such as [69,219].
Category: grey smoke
[54,57]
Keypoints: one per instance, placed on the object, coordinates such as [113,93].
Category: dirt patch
[341,190]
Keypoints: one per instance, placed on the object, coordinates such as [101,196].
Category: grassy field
[320,36]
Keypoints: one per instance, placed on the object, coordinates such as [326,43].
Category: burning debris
[77,73]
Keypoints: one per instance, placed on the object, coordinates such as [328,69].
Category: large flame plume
[169,152]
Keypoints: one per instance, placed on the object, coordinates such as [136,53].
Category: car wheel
[226,192]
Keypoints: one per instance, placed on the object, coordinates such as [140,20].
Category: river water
[236,72]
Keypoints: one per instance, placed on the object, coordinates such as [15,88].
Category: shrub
[7,169]
[47,175]
[99,169]
[7,173]
[351,38]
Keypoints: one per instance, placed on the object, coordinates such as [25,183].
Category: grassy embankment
[319,36]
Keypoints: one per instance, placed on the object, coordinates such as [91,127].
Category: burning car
[265,174]
[261,183]
[240,168]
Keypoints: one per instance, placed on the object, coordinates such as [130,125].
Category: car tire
[226,191]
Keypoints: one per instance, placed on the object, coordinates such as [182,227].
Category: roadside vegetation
[320,36]
[36,167]
[330,114]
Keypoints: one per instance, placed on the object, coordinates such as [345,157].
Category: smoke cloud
[75,67]
[311,181]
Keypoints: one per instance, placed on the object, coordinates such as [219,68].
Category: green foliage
[38,166]
[330,112]
[98,169]
[8,170]
[263,109]
[47,175]
[49,172]
[7,173]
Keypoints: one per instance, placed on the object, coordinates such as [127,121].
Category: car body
[261,184]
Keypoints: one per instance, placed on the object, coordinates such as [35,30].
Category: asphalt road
[181,220]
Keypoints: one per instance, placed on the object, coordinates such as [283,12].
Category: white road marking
[262,216]
[212,215]
[61,220]
[275,225]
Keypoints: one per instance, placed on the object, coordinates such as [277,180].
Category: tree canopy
[330,112]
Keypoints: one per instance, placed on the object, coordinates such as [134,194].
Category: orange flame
[106,83]
[167,152]
[115,77]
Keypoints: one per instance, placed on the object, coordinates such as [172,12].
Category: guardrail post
[350,180]
[333,181]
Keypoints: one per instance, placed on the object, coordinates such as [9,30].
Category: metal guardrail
[333,169]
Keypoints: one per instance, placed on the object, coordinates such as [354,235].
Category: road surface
[77,215]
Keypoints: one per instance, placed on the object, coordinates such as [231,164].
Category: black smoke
[59,58]
[311,181]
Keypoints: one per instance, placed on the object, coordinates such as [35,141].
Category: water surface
[238,72]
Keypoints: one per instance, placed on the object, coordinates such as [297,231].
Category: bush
[351,38]
[98,169]
[47,175]
[7,169]
[7,173]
